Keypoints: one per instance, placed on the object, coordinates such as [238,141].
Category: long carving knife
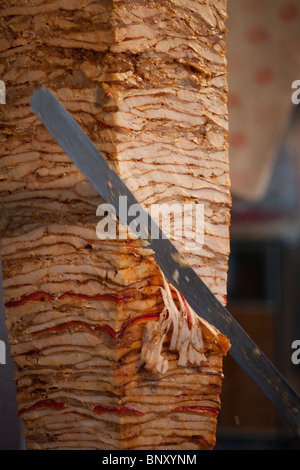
[97,170]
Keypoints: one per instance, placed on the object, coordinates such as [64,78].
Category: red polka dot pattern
[289,12]
[238,140]
[257,35]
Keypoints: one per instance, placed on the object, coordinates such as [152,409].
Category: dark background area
[264,297]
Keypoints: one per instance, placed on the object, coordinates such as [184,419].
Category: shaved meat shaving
[186,335]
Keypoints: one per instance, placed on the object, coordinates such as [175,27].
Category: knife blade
[109,185]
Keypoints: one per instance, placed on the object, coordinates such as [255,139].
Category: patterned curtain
[263,51]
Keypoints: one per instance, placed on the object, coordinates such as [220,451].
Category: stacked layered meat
[109,354]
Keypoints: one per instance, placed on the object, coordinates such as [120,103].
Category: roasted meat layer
[109,354]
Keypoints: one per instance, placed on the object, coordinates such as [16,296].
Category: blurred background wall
[263,50]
